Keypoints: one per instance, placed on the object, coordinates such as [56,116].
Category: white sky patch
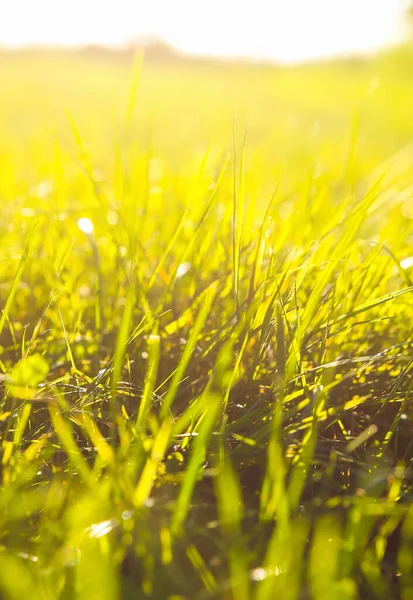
[284,30]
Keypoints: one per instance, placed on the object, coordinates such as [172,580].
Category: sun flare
[286,31]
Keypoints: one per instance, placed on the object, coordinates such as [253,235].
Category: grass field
[206,330]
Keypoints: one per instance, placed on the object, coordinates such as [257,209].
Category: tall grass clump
[205,337]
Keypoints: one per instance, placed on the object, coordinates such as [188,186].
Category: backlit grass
[206,329]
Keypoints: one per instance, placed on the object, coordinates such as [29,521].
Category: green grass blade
[17,277]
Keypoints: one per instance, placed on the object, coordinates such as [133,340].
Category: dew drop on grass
[112,217]
[97,176]
[258,574]
[98,530]
[183,269]
[42,190]
[407,263]
[85,225]
[27,212]
[26,556]
[84,291]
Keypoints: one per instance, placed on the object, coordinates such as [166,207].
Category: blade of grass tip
[120,181]
[240,213]
[148,476]
[58,176]
[362,438]
[100,197]
[99,297]
[355,537]
[164,382]
[191,415]
[303,460]
[69,349]
[231,514]
[21,424]
[139,225]
[280,339]
[349,211]
[235,371]
[199,448]
[170,245]
[394,425]
[62,263]
[369,305]
[104,450]
[200,566]
[405,556]
[66,437]
[238,205]
[266,329]
[188,208]
[144,323]
[260,245]
[281,574]
[324,557]
[351,166]
[154,342]
[10,326]
[197,228]
[273,496]
[189,348]
[313,302]
[17,276]
[222,379]
[86,164]
[234,214]
[83,152]
[293,363]
[398,264]
[244,327]
[121,345]
[134,87]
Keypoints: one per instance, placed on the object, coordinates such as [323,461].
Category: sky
[283,30]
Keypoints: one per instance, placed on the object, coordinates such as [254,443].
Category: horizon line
[149,42]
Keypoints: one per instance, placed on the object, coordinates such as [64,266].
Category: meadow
[206,330]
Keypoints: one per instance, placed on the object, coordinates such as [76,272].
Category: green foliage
[205,341]
[27,374]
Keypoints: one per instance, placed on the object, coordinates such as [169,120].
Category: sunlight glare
[85,225]
[284,30]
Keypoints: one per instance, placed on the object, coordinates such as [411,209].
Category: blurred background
[322,86]
[283,31]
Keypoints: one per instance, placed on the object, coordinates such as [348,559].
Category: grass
[206,336]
